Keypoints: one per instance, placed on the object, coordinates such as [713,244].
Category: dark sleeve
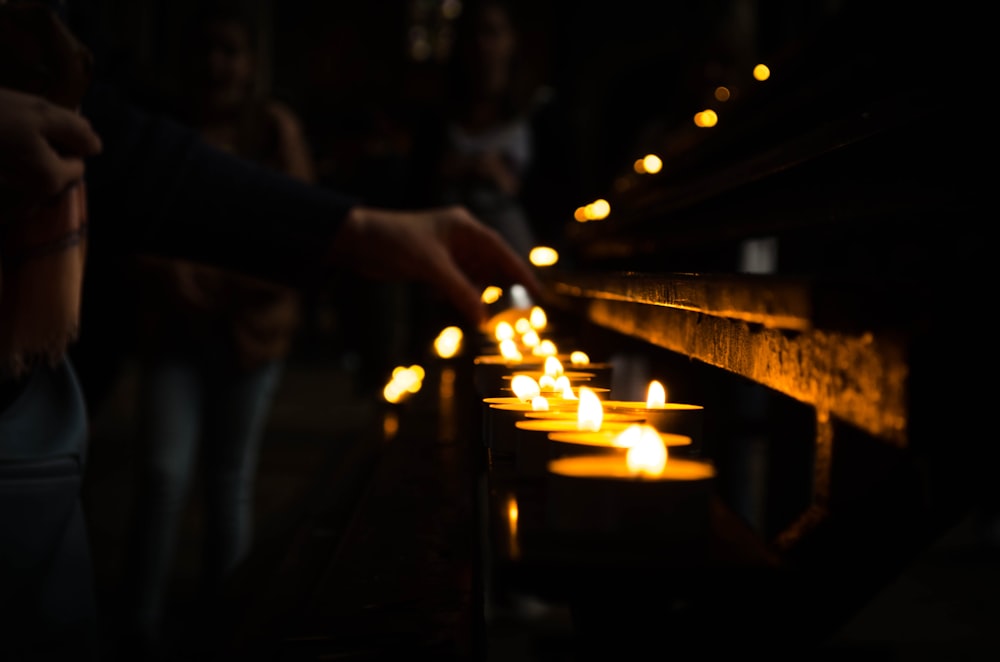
[157,188]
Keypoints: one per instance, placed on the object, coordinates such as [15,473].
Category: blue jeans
[194,412]
[48,607]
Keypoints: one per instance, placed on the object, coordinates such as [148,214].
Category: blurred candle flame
[543,256]
[579,358]
[562,384]
[648,454]
[509,350]
[589,413]
[522,325]
[547,383]
[525,387]
[539,403]
[491,294]
[628,437]
[656,395]
[538,318]
[553,366]
[503,331]
[545,348]
[404,380]
[530,338]
[448,342]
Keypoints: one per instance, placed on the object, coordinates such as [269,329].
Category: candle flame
[561,383]
[656,396]
[491,294]
[404,380]
[530,338]
[547,383]
[545,348]
[553,366]
[538,318]
[525,387]
[509,350]
[539,403]
[589,413]
[628,437]
[543,256]
[579,358]
[448,342]
[522,325]
[503,331]
[648,454]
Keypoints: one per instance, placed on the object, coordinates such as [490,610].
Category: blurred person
[497,143]
[153,186]
[212,343]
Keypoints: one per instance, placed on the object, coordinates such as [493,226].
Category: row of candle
[626,468]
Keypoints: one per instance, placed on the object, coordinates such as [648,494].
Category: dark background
[615,68]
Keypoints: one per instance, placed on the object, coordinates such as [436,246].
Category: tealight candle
[533,447]
[490,371]
[667,417]
[501,414]
[617,501]
[581,442]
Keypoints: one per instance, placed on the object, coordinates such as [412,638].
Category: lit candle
[614,502]
[578,442]
[491,371]
[501,414]
[667,417]
[532,446]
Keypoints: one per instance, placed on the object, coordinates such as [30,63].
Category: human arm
[170,193]
[42,148]
[445,247]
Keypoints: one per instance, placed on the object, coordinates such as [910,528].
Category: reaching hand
[42,147]
[446,247]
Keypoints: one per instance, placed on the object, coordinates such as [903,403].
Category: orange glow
[405,380]
[509,350]
[525,387]
[512,514]
[706,118]
[503,330]
[590,412]
[530,338]
[539,403]
[722,93]
[656,395]
[537,318]
[761,72]
[651,164]
[448,342]
[522,325]
[390,425]
[543,256]
[491,294]
[581,215]
[547,383]
[598,209]
[579,358]
[545,348]
[648,454]
[561,383]
[553,366]
[639,167]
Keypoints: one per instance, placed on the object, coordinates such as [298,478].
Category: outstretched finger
[458,289]
[508,263]
[70,133]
